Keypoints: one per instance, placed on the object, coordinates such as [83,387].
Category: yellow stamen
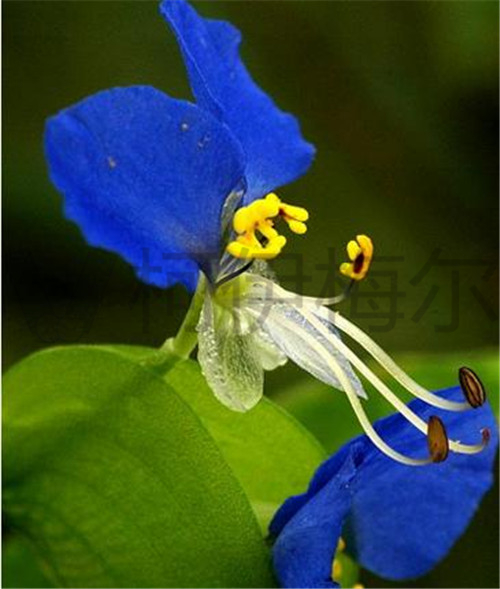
[336,570]
[337,564]
[295,217]
[246,251]
[296,226]
[259,216]
[360,253]
[353,249]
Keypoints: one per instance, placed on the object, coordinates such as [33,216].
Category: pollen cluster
[360,253]
[257,237]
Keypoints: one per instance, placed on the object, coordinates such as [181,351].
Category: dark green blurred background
[401,100]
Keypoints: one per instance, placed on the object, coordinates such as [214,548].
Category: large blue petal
[404,520]
[305,547]
[276,152]
[399,521]
[145,176]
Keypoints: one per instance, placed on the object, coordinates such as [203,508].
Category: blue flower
[177,188]
[147,176]
[397,521]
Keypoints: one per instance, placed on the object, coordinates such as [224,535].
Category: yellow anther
[337,564]
[251,252]
[259,216]
[353,249]
[296,226]
[295,217]
[358,586]
[267,229]
[336,569]
[270,204]
[242,220]
[360,253]
[297,213]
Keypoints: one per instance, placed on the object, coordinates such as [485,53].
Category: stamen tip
[486,434]
[472,387]
[360,252]
[437,439]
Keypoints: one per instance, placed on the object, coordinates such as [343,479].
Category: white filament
[388,363]
[371,347]
[315,314]
[356,403]
[338,371]
[393,399]
[291,331]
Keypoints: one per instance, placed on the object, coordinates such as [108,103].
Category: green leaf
[19,565]
[328,415]
[116,481]
[323,410]
[350,571]
[272,455]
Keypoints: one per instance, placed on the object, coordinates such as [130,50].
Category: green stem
[185,341]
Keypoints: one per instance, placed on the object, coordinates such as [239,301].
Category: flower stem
[185,341]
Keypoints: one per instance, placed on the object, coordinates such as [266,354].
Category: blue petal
[305,547]
[325,472]
[276,152]
[404,520]
[399,521]
[145,176]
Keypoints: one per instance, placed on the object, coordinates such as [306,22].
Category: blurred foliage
[401,100]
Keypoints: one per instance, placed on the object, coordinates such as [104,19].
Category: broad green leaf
[328,415]
[323,410]
[19,565]
[271,454]
[116,481]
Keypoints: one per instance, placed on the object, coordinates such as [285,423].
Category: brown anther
[486,434]
[437,439]
[472,387]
